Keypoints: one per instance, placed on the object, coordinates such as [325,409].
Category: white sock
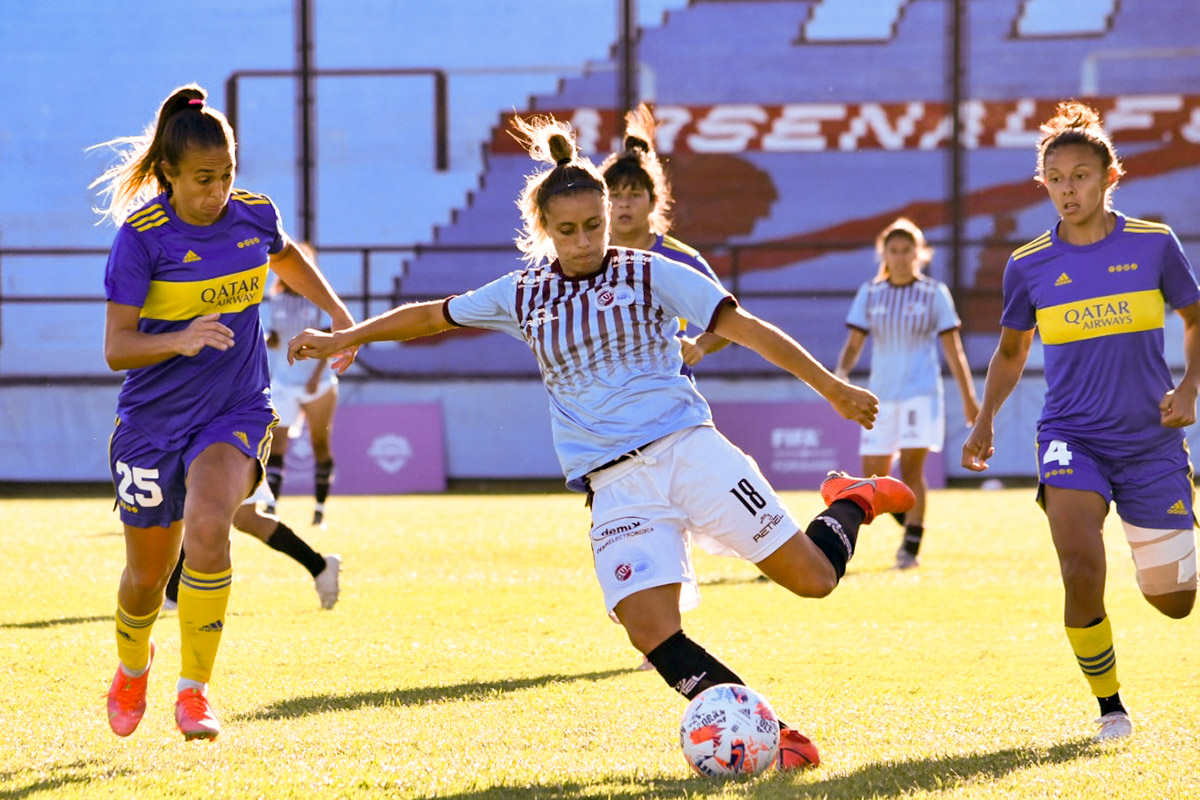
[188,683]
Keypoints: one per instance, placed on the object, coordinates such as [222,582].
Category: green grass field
[470,657]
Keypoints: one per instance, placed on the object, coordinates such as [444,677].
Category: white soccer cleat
[1114,725]
[327,581]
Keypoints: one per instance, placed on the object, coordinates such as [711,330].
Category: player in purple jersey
[184,279]
[641,204]
[1096,286]
[631,430]
[907,313]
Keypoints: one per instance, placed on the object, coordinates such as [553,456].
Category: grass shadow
[55,623]
[316,704]
[62,775]
[878,780]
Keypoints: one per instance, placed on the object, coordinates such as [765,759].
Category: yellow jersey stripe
[153,222]
[675,244]
[1102,316]
[1039,243]
[225,294]
[134,218]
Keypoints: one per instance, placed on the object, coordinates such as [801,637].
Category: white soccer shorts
[289,398]
[916,423]
[692,484]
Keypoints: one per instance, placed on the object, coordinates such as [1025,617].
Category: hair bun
[636,143]
[562,162]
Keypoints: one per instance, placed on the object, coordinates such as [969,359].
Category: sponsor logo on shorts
[241,437]
[1178,508]
[618,530]
[626,569]
[767,523]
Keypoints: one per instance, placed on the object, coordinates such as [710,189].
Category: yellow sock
[203,598]
[133,638]
[1094,651]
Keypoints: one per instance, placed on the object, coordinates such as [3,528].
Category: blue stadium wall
[792,129]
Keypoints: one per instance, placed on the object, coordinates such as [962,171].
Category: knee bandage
[1165,559]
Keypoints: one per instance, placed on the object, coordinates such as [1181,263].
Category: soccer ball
[729,729]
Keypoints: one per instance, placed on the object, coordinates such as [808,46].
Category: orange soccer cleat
[873,495]
[127,699]
[193,716]
[796,751]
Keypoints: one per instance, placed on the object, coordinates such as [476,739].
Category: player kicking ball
[630,428]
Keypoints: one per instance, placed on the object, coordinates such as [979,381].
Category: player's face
[900,255]
[201,183]
[1076,180]
[577,223]
[631,209]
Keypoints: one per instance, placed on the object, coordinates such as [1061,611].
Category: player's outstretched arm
[1004,370]
[852,402]
[400,324]
[125,347]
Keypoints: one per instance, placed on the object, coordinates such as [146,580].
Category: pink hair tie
[196,102]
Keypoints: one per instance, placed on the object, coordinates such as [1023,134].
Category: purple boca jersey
[676,250]
[175,272]
[1100,312]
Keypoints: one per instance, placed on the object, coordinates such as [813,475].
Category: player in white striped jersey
[907,313]
[631,430]
[298,389]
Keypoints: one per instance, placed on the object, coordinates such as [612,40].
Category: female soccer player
[310,389]
[907,312]
[1111,428]
[630,429]
[641,203]
[184,279]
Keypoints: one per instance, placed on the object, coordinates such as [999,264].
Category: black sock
[912,538]
[687,667]
[285,540]
[835,531]
[1110,704]
[173,581]
[275,474]
[323,475]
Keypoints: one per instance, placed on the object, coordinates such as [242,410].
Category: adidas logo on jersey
[190,257]
[1063,280]
[1178,508]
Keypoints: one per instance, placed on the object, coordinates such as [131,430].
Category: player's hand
[978,447]
[344,357]
[692,352]
[854,403]
[204,331]
[1178,407]
[312,344]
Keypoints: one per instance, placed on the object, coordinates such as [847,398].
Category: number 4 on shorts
[1058,451]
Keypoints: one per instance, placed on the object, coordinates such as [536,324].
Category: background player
[641,199]
[631,430]
[310,390]
[907,312]
[1112,424]
[184,279]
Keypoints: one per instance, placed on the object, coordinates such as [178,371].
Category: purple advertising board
[797,443]
[377,449]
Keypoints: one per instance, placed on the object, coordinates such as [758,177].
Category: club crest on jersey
[609,296]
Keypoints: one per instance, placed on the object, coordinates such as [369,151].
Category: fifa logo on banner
[390,452]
